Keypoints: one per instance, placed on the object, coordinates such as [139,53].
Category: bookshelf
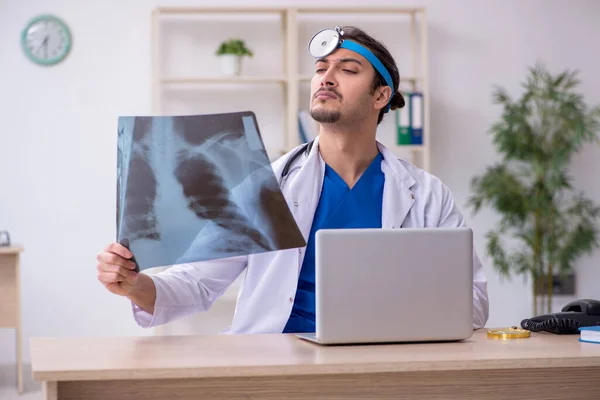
[287,84]
[186,79]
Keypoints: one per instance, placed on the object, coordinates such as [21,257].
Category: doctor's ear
[383,94]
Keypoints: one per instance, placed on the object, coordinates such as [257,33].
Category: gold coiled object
[508,333]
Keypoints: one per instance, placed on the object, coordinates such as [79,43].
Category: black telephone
[578,313]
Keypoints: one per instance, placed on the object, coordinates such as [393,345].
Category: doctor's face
[341,88]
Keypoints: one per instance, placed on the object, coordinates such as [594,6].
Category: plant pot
[231,64]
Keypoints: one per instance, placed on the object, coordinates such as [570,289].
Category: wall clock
[46,40]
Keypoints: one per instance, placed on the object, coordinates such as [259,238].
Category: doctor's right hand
[115,269]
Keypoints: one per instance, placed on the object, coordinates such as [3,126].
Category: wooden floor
[8,384]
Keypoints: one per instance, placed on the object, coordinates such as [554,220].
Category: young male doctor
[345,179]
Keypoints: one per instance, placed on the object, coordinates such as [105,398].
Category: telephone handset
[576,314]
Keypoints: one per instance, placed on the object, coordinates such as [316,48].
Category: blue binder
[416,118]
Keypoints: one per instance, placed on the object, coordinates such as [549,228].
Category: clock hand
[45,44]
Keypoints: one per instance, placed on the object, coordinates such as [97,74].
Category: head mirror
[325,42]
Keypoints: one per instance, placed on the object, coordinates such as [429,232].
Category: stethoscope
[305,149]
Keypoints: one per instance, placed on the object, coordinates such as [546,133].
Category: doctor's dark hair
[382,53]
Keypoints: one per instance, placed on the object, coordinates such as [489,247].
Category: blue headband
[366,53]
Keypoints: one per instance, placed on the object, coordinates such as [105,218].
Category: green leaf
[496,251]
[503,190]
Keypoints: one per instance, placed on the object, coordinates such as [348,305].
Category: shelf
[218,10]
[302,10]
[224,79]
[361,10]
[250,79]
[416,148]
[409,79]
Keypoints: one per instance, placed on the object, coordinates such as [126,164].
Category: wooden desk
[545,366]
[10,300]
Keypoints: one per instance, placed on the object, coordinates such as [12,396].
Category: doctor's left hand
[116,270]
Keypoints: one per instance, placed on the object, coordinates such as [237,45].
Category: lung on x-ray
[197,188]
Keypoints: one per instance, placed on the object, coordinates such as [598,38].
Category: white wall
[57,148]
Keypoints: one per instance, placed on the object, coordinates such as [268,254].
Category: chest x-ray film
[197,188]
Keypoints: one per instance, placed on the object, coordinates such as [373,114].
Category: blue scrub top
[339,207]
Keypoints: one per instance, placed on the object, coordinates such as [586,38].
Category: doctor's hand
[116,270]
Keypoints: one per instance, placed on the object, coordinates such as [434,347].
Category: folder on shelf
[403,128]
[307,127]
[301,133]
[416,118]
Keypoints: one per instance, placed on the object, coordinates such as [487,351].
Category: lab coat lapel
[398,197]
[305,189]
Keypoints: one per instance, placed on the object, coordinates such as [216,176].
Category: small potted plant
[231,52]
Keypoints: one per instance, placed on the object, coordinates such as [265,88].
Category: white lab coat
[411,198]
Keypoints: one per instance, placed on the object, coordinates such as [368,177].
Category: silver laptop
[393,285]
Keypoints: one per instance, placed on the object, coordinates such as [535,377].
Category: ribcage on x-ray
[184,180]
[208,197]
[142,219]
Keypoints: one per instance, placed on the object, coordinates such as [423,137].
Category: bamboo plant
[548,224]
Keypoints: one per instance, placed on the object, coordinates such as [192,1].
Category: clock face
[46,40]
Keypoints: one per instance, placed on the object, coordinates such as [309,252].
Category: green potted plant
[549,225]
[231,53]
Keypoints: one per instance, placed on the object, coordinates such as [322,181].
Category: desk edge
[12,249]
[306,370]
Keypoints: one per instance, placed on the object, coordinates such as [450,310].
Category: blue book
[589,334]
[416,118]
